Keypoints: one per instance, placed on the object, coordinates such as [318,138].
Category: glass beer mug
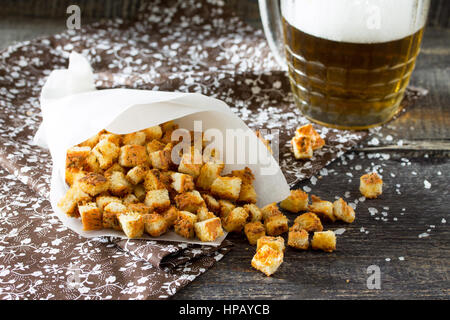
[349,61]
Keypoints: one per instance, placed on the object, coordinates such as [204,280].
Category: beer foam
[356,21]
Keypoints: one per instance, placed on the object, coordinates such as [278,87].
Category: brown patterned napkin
[191,46]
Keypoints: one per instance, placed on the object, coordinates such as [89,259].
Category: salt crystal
[339,231]
[401,258]
[372,211]
[306,189]
[426,184]
[443,220]
[388,259]
[389,138]
[423,235]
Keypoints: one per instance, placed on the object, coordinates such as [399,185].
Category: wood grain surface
[417,150]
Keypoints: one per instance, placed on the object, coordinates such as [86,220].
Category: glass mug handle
[271,21]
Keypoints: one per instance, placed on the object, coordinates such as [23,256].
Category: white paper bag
[73,111]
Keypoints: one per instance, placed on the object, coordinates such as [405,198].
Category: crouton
[182,182]
[189,201]
[276,243]
[167,126]
[322,208]
[92,164]
[254,231]
[184,224]
[343,211]
[298,238]
[324,240]
[110,215]
[136,138]
[76,157]
[113,168]
[93,183]
[309,221]
[153,133]
[302,147]
[235,220]
[371,185]
[103,201]
[139,192]
[191,163]
[91,142]
[295,202]
[247,194]
[208,173]
[170,215]
[167,134]
[111,137]
[161,159]
[154,145]
[91,217]
[270,210]
[246,175]
[106,153]
[118,184]
[309,131]
[153,181]
[73,174]
[204,214]
[157,199]
[129,199]
[254,214]
[267,260]
[132,224]
[69,202]
[226,188]
[225,208]
[209,229]
[276,225]
[133,155]
[155,224]
[139,208]
[211,202]
[137,174]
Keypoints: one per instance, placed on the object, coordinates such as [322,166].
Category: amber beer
[348,76]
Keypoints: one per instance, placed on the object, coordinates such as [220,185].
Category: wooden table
[411,248]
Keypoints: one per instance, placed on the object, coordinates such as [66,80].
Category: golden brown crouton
[343,211]
[295,202]
[309,221]
[204,214]
[69,202]
[167,133]
[91,142]
[106,153]
[132,224]
[119,185]
[208,173]
[276,225]
[139,208]
[270,210]
[309,131]
[276,243]
[298,238]
[111,137]
[153,133]
[155,224]
[254,214]
[191,163]
[209,230]
[211,202]
[136,138]
[133,155]
[225,208]
[247,194]
[235,220]
[182,182]
[371,185]
[130,199]
[93,183]
[73,175]
[154,145]
[267,260]
[254,231]
[246,175]
[169,125]
[113,168]
[324,240]
[189,201]
[170,215]
[157,199]
[302,147]
[139,192]
[161,159]
[76,157]
[103,201]
[322,208]
[137,174]
[110,215]
[91,217]
[153,180]
[184,224]
[226,188]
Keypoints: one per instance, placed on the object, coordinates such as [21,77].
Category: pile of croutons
[305,141]
[131,183]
